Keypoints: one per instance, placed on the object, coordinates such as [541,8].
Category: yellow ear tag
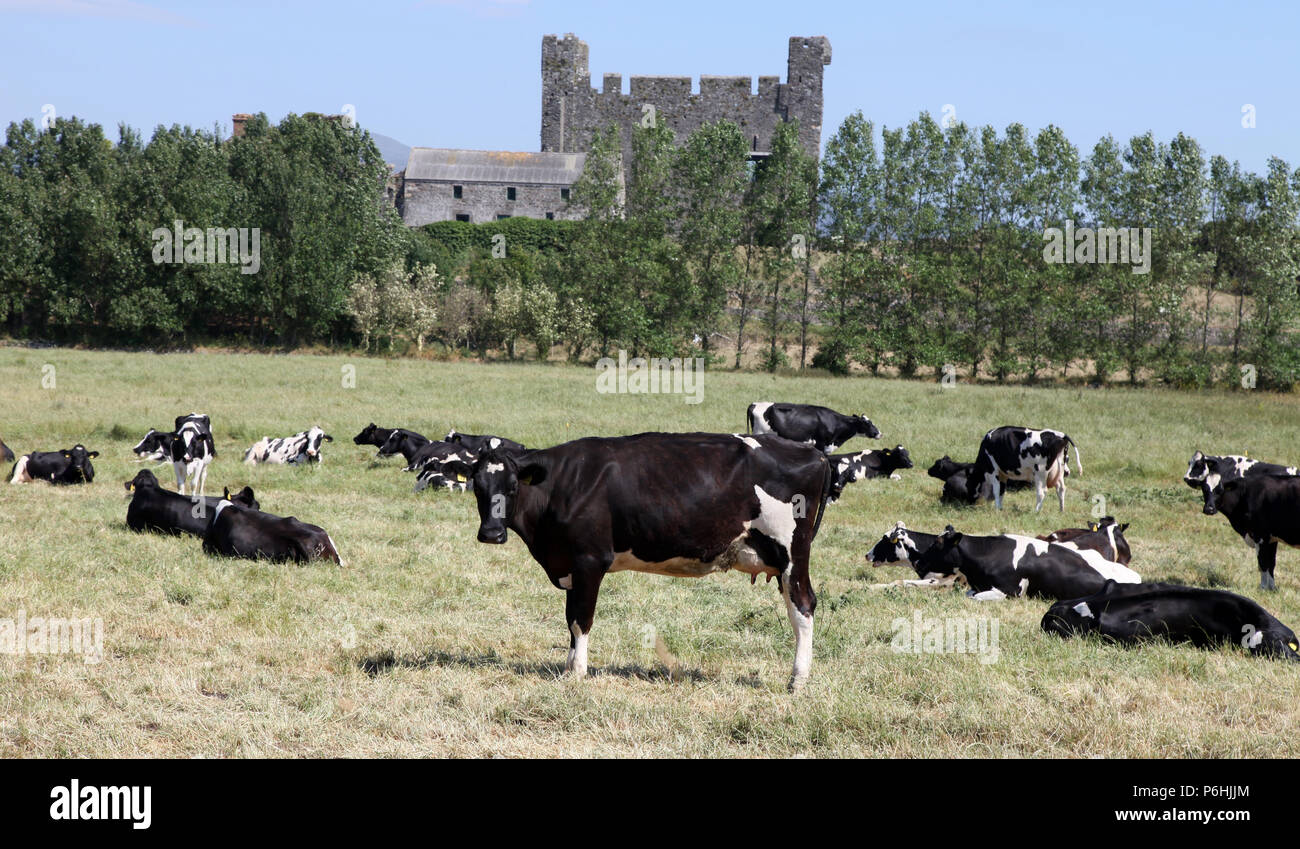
[461,478]
[1294,646]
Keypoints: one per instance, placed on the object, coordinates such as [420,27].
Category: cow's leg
[179,469]
[1060,490]
[1267,556]
[579,611]
[202,477]
[800,603]
[995,484]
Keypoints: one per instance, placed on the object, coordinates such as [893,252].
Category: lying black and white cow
[153,508]
[904,547]
[1105,537]
[239,531]
[1132,613]
[674,504]
[997,567]
[192,451]
[156,446]
[446,465]
[69,466]
[872,463]
[6,453]
[820,427]
[1021,453]
[1265,510]
[955,477]
[1205,472]
[486,442]
[302,447]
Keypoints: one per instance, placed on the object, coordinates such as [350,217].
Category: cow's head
[244,497]
[497,476]
[944,468]
[898,457]
[866,428]
[79,465]
[144,479]
[197,418]
[1077,616]
[1274,639]
[367,435]
[942,557]
[315,436]
[153,442]
[896,546]
[393,444]
[1224,496]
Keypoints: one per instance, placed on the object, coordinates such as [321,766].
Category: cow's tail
[827,483]
[1078,455]
[749,419]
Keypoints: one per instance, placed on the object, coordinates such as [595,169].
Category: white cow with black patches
[302,447]
[1027,454]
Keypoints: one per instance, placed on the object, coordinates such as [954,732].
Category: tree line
[918,250]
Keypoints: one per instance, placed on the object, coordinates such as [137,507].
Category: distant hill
[392,150]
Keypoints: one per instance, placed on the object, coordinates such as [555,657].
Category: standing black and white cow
[872,463]
[1134,613]
[69,466]
[820,427]
[1022,453]
[1105,537]
[192,451]
[674,504]
[1205,472]
[156,446]
[153,508]
[302,447]
[1004,566]
[477,444]
[1265,510]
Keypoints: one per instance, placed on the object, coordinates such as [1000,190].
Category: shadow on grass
[378,664]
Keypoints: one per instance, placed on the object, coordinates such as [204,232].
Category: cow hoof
[796,683]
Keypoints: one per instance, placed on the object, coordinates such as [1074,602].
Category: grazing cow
[1021,453]
[1105,537]
[156,446]
[1131,613]
[153,508]
[1265,510]
[478,444]
[192,451]
[302,447]
[820,427]
[6,453]
[445,465]
[69,466]
[405,442]
[1205,472]
[674,504]
[873,463]
[1000,566]
[238,531]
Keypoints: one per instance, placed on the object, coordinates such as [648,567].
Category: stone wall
[426,201]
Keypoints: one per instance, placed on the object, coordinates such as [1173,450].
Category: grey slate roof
[494,166]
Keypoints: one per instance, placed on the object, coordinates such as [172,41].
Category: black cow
[446,465]
[238,531]
[1021,453]
[408,443]
[69,466]
[1131,613]
[156,446]
[373,434]
[1001,566]
[820,427]
[153,508]
[873,463]
[478,444]
[1105,537]
[6,453]
[1265,510]
[1206,472]
[675,504]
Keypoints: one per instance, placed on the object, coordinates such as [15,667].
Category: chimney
[237,122]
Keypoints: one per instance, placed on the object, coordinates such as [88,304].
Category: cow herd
[691,504]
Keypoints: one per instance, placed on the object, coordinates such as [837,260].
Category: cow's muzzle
[1209,509]
[492,536]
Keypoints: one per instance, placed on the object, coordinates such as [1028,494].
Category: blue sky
[459,73]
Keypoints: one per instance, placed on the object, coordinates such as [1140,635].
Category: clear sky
[460,73]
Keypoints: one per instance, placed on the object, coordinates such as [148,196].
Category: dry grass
[431,644]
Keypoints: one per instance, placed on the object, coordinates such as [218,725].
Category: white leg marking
[803,634]
[577,663]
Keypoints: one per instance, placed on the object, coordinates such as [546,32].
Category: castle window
[500,217]
[550,216]
[457,191]
[564,194]
[462,216]
[510,193]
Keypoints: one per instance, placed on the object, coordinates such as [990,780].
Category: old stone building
[486,185]
[481,185]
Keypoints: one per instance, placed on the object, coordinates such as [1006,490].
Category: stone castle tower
[572,110]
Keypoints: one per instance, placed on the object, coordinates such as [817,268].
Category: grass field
[429,643]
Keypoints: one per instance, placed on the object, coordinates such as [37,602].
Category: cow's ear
[1123,527]
[532,475]
[329,438]
[949,529]
[1092,526]
[955,537]
[93,454]
[66,453]
[225,493]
